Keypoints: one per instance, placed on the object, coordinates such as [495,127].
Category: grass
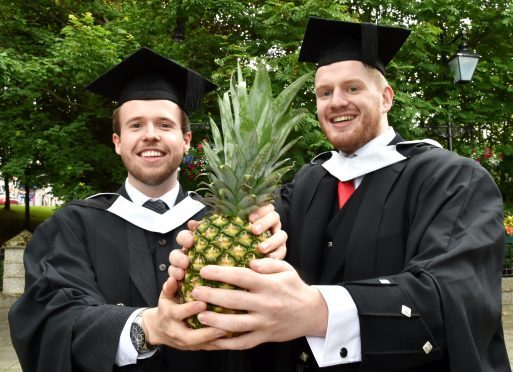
[12,221]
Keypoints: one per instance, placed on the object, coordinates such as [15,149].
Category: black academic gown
[87,270]
[425,233]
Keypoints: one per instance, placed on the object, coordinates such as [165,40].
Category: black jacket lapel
[140,261]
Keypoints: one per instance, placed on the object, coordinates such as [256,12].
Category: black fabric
[147,75]
[432,226]
[158,206]
[87,270]
[328,41]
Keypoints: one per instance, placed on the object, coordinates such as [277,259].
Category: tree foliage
[54,132]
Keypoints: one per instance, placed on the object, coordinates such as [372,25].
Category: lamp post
[462,65]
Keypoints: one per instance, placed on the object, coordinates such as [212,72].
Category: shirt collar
[374,155]
[139,198]
[382,140]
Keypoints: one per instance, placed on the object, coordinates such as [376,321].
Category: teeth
[151,153]
[343,118]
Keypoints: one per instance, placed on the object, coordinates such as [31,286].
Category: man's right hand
[164,324]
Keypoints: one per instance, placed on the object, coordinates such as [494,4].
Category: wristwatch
[137,335]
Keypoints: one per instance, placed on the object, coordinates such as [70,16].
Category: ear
[388,98]
[187,138]
[117,143]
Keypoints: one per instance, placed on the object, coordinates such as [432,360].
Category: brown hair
[116,125]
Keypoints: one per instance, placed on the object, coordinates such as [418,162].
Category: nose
[338,99]
[151,133]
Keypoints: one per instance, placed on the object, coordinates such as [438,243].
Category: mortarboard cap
[146,75]
[327,41]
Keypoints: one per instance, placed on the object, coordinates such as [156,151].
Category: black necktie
[156,205]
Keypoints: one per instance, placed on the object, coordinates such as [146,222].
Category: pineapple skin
[224,241]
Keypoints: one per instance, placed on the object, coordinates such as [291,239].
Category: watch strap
[137,335]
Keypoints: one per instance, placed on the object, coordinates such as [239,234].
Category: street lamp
[462,65]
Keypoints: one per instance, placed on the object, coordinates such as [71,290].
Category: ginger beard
[349,140]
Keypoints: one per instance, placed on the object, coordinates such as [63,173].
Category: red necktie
[345,189]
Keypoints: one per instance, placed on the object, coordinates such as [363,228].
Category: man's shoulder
[314,165]
[410,149]
[98,201]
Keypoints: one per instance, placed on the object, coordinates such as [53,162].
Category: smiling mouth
[151,154]
[343,118]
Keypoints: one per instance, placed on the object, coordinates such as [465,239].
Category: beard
[366,130]
[153,176]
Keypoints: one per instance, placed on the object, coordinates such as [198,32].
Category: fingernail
[263,247]
[195,292]
[256,265]
[257,228]
[204,271]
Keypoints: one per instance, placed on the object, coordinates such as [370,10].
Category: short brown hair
[116,125]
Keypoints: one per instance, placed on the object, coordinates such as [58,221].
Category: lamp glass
[463,67]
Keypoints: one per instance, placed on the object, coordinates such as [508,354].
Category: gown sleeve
[62,308]
[446,303]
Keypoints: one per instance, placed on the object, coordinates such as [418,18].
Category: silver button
[303,357]
[406,311]
[427,347]
[162,267]
[330,244]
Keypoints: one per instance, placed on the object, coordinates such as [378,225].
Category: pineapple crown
[245,164]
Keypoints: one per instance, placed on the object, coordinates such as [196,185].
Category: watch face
[137,337]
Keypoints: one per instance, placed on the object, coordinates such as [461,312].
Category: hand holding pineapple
[164,324]
[274,304]
[245,166]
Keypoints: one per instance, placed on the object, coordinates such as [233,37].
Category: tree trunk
[7,196]
[27,206]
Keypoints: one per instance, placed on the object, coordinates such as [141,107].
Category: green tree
[49,50]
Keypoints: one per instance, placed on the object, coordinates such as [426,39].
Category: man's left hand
[279,305]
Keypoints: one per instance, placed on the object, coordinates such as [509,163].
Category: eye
[353,89]
[324,93]
[135,125]
[165,125]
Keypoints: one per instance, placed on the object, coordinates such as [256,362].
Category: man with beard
[401,274]
[94,270]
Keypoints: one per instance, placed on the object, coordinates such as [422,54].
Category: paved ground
[9,361]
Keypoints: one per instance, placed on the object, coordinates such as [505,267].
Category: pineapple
[244,170]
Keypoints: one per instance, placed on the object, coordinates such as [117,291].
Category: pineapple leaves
[247,160]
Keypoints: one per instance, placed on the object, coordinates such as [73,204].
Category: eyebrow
[142,118]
